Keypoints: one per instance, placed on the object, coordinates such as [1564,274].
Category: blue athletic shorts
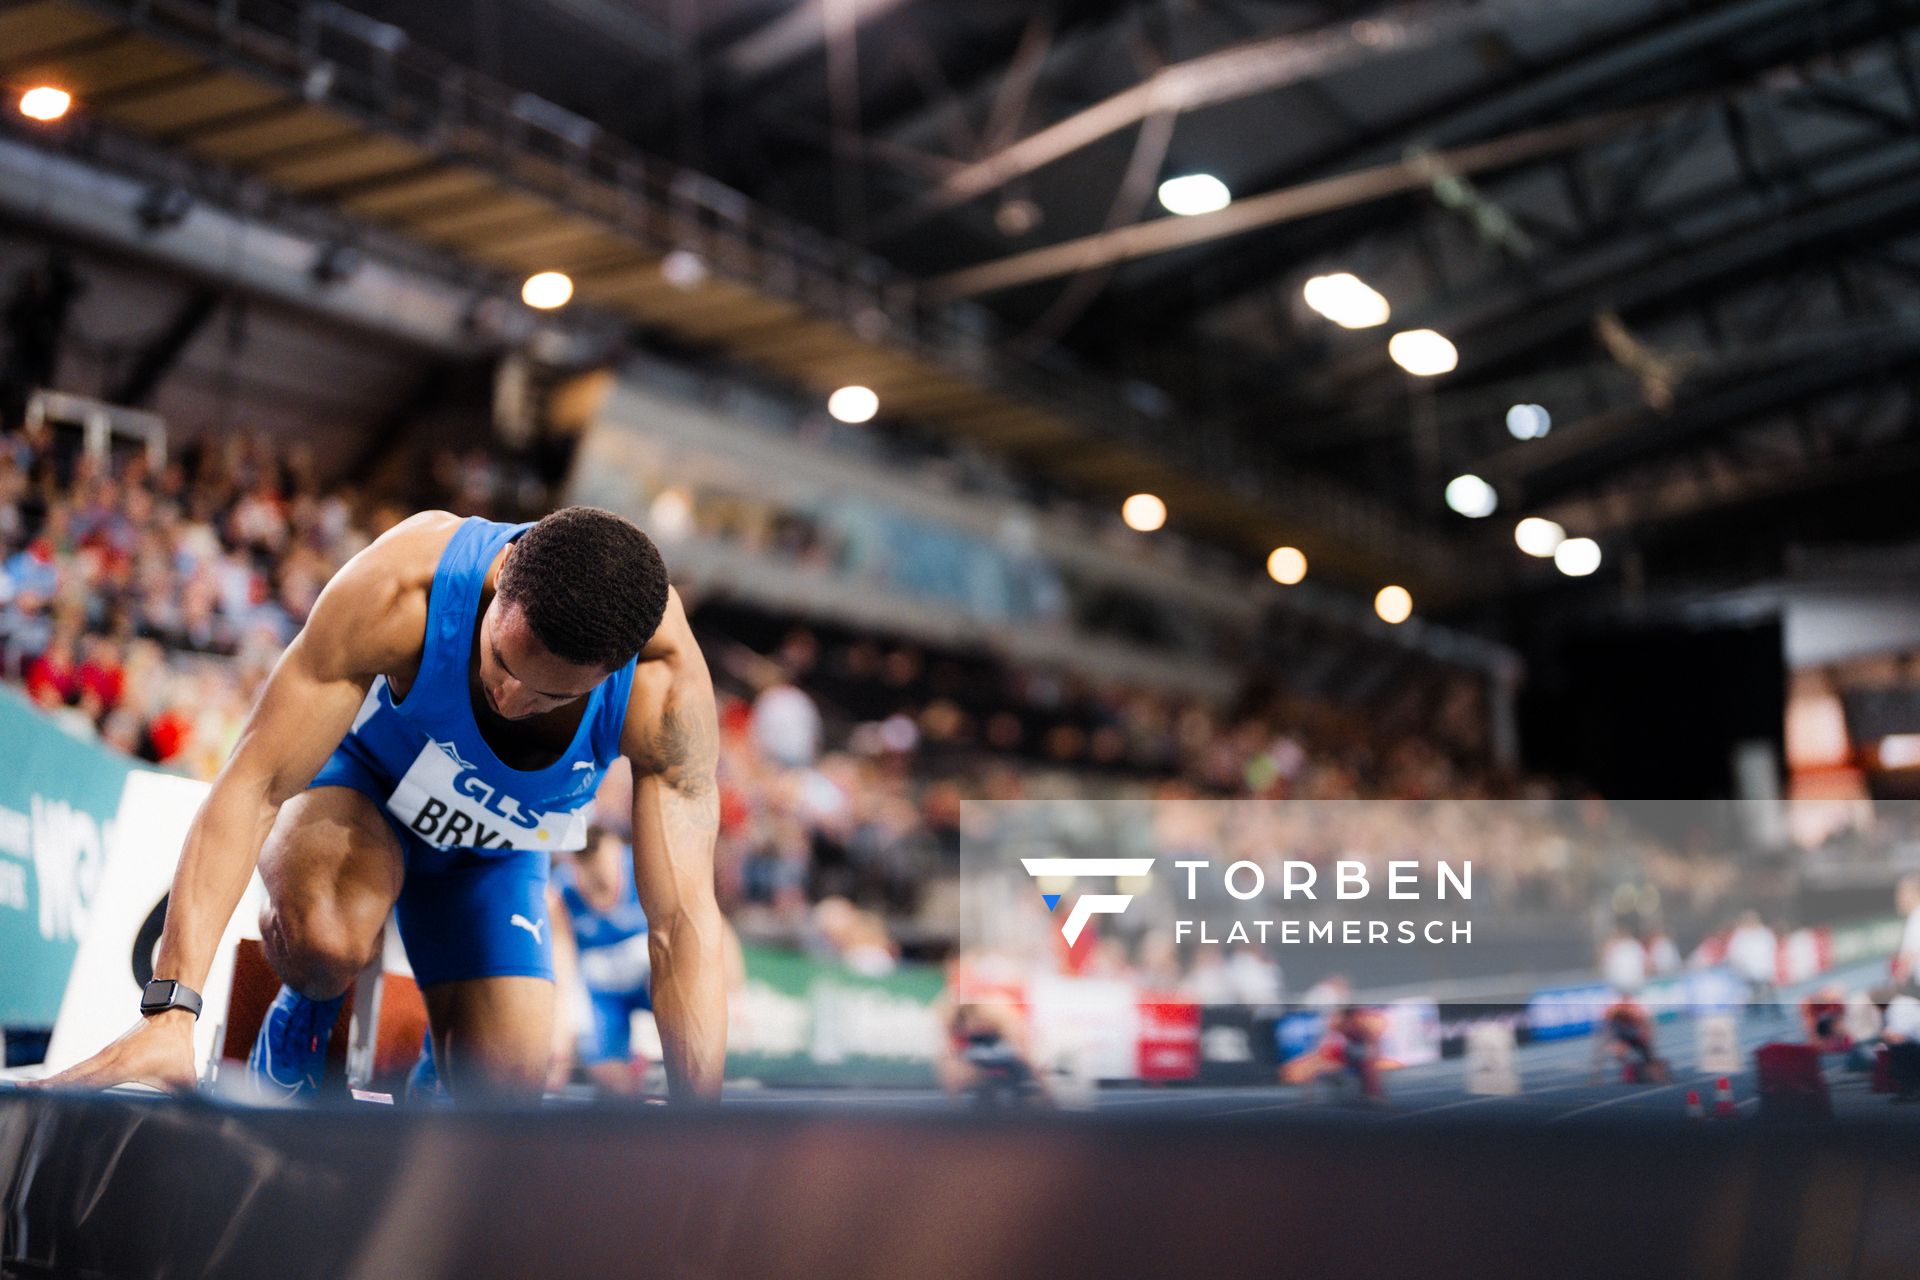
[610,1038]
[462,914]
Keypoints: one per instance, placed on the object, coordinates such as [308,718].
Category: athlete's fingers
[125,1062]
[86,1073]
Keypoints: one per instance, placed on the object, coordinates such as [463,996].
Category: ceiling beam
[1698,39]
[1161,235]
[1575,456]
[1493,324]
[794,35]
[1240,71]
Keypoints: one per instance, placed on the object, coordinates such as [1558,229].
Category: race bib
[444,800]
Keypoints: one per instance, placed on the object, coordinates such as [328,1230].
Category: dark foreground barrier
[112,1187]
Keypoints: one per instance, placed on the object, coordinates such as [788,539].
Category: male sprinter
[434,733]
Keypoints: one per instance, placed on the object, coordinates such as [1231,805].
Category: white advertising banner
[103,994]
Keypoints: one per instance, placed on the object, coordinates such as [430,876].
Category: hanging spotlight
[1538,537]
[1394,605]
[853,404]
[1346,300]
[547,290]
[1143,512]
[1472,497]
[1423,353]
[1577,557]
[1528,422]
[1287,566]
[45,103]
[1194,193]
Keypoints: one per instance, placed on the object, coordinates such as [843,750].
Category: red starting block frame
[376,1039]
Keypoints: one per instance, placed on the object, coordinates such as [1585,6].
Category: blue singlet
[477,835]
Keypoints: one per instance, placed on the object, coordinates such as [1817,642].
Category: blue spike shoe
[423,1082]
[289,1057]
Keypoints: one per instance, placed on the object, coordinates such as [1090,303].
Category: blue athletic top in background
[448,788]
[614,958]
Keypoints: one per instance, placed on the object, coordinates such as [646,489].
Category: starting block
[1791,1084]
[1490,1065]
[1717,1043]
[376,1039]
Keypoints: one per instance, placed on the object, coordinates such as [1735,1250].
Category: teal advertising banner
[803,1022]
[58,799]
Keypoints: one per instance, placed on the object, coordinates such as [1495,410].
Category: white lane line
[1640,1091]
[1524,1096]
[1169,1097]
[1293,1105]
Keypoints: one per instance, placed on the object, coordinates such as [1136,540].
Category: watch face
[165,993]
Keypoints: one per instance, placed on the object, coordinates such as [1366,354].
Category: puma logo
[531,926]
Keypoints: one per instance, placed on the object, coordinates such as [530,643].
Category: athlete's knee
[316,946]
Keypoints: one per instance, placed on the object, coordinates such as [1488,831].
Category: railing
[99,424]
[325,52]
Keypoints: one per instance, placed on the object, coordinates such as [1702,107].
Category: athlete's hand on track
[157,1051]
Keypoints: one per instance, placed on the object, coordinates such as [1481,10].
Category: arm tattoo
[685,750]
[686,747]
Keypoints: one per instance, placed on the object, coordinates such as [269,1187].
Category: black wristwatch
[163,994]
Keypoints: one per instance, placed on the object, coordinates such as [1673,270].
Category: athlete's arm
[672,738]
[366,621]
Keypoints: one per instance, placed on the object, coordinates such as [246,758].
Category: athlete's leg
[476,931]
[492,1035]
[333,868]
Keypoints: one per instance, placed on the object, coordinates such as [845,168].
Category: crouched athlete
[434,734]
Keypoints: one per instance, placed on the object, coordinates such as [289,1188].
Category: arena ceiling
[1684,228]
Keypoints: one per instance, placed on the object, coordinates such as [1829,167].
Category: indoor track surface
[1562,1082]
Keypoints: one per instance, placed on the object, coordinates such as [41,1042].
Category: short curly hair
[592,586]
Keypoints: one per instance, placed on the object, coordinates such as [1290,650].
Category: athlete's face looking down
[520,676]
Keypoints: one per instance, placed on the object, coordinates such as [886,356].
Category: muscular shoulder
[403,559]
[670,722]
[372,617]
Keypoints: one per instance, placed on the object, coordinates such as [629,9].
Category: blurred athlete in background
[986,1055]
[430,739]
[600,929]
[1905,969]
[1348,1051]
[604,960]
[1628,1028]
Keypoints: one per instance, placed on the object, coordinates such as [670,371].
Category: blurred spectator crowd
[145,602]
